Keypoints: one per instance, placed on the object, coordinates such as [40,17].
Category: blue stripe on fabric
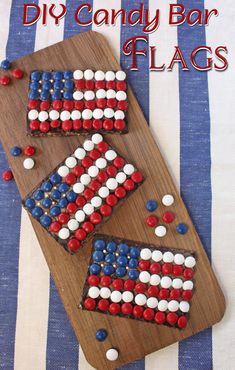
[10,205]
[62,344]
[139,80]
[195,166]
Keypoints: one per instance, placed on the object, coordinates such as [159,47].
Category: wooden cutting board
[133,339]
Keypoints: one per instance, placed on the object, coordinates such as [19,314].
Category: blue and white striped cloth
[191,115]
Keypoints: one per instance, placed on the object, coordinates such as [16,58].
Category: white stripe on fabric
[221,94]
[50,34]
[165,126]
[112,33]
[5,10]
[83,364]
[164,91]
[33,301]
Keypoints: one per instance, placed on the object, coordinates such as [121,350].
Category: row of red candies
[16,73]
[79,105]
[76,125]
[137,311]
[166,269]
[91,85]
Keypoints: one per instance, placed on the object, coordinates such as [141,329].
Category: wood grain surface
[133,339]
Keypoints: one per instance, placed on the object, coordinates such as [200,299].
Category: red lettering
[208,66]
[77,14]
[57,17]
[221,58]
[27,22]
[178,12]
[178,58]
[130,47]
[152,61]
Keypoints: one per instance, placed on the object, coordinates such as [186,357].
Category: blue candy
[56,178]
[98,256]
[55,194]
[37,212]
[69,84]
[101,335]
[30,203]
[6,64]
[46,203]
[133,274]
[57,75]
[99,245]
[111,247]
[15,151]
[35,76]
[123,249]
[55,211]
[45,221]
[110,258]
[133,263]
[63,187]
[120,271]
[46,76]
[68,95]
[71,196]
[68,74]
[38,195]
[134,252]
[95,269]
[56,95]
[34,85]
[182,228]
[58,85]
[45,95]
[33,95]
[122,261]
[46,186]
[63,203]
[46,85]
[151,205]
[108,270]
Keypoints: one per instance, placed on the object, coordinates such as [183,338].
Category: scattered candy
[5,64]
[28,163]
[81,192]
[5,80]
[7,175]
[168,217]
[112,354]
[139,281]
[182,228]
[160,231]
[167,200]
[151,205]
[16,151]
[29,151]
[152,221]
[17,73]
[101,335]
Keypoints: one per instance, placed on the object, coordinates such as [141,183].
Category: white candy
[103,192]
[78,188]
[93,292]
[97,138]
[179,259]
[78,95]
[80,216]
[78,74]
[111,94]
[155,279]
[80,153]
[54,115]
[33,114]
[112,354]
[88,209]
[110,155]
[152,302]
[101,94]
[63,171]
[93,171]
[168,200]
[105,292]
[121,95]
[76,114]
[127,296]
[121,177]
[96,202]
[145,254]
[108,112]
[177,283]
[43,116]
[89,95]
[116,296]
[63,233]
[87,114]
[88,74]
[99,75]
[144,276]
[173,306]
[71,162]
[101,163]
[120,75]
[85,179]
[88,145]
[160,231]
[112,183]
[168,257]
[140,299]
[188,285]
[119,114]
[73,225]
[190,262]
[128,169]
[65,115]
[162,305]
[98,113]
[184,306]
[157,256]
[28,163]
[166,282]
[110,76]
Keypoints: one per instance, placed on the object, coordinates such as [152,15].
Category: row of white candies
[88,74]
[140,299]
[167,257]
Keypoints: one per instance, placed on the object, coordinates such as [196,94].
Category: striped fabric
[191,116]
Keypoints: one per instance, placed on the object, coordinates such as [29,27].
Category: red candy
[114,308]
[34,125]
[129,185]
[90,104]
[88,227]
[80,84]
[89,84]
[167,268]
[103,305]
[111,85]
[44,105]
[32,104]
[129,284]
[117,284]
[101,103]
[152,221]
[105,281]
[182,322]
[137,177]
[102,147]
[77,124]
[29,151]
[108,124]
[95,185]
[140,287]
[5,80]
[105,210]
[88,194]
[97,124]
[70,179]
[94,154]
[153,291]
[100,85]
[144,265]
[72,207]
[187,295]
[111,200]
[80,234]
[102,176]
[79,105]
[120,192]
[168,217]
[87,124]
[67,125]
[172,318]
[188,273]
[121,85]
[111,171]
[90,304]
[17,73]
[119,124]
[78,170]
[126,308]
[55,227]
[148,314]
[57,104]
[160,317]
[164,293]
[55,124]
[7,175]
[177,270]
[175,294]
[93,280]
[80,201]
[68,105]
[111,103]
[74,245]
[138,311]
[44,127]
[96,218]
[64,218]
[155,268]
[87,162]
[119,162]
[122,105]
